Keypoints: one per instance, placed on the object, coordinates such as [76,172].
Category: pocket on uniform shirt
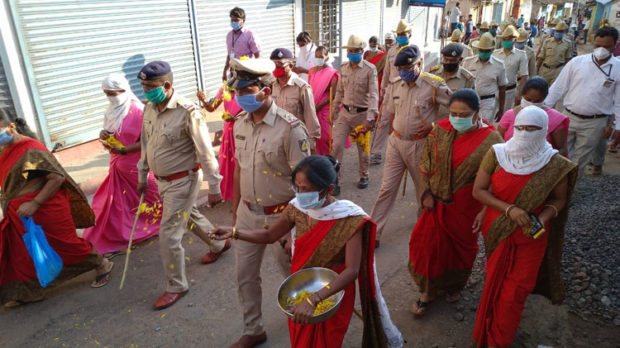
[171,135]
[292,104]
[241,151]
[361,86]
[270,154]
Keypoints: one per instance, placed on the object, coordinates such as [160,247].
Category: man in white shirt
[454,17]
[590,85]
[305,58]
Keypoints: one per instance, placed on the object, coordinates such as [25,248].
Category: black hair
[467,96]
[237,12]
[20,124]
[322,49]
[457,4]
[321,171]
[373,39]
[608,31]
[538,83]
[304,37]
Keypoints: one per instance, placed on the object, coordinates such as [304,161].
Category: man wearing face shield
[293,94]
[554,54]
[455,76]
[269,142]
[175,146]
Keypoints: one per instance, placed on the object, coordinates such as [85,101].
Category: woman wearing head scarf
[526,186]
[116,200]
[323,79]
[444,241]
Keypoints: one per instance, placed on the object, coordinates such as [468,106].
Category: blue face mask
[552,31]
[484,55]
[407,75]
[520,45]
[402,40]
[235,25]
[309,200]
[558,36]
[249,102]
[461,123]
[155,95]
[5,138]
[354,57]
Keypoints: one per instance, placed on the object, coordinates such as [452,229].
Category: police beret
[250,71]
[407,56]
[154,70]
[281,53]
[452,50]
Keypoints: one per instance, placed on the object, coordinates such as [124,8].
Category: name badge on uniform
[608,82]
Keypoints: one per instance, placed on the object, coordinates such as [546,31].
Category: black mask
[451,67]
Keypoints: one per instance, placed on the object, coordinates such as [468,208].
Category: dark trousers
[453,26]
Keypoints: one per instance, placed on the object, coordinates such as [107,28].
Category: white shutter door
[6,103]
[361,18]
[70,46]
[417,18]
[393,13]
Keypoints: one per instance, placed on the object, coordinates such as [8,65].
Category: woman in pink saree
[116,201]
[323,78]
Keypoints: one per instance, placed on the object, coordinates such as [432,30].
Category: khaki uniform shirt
[266,153]
[413,104]
[489,75]
[461,79]
[554,53]
[175,140]
[531,61]
[390,72]
[296,97]
[358,87]
[515,63]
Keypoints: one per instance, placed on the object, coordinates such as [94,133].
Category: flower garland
[361,136]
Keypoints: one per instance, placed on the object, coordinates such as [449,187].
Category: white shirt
[305,59]
[515,63]
[582,83]
[489,75]
[455,14]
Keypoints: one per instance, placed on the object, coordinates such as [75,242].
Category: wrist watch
[123,151]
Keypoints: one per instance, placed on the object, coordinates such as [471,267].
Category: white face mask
[319,61]
[525,103]
[601,53]
[118,99]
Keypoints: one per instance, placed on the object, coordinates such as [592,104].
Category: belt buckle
[406,137]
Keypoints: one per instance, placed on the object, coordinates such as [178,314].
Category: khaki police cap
[509,32]
[486,42]
[484,25]
[494,24]
[250,71]
[457,35]
[355,42]
[524,35]
[403,27]
[561,25]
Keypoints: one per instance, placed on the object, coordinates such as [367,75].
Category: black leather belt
[354,109]
[548,67]
[487,96]
[586,117]
[508,88]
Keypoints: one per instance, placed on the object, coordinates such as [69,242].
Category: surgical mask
[249,102]
[450,67]
[558,36]
[402,40]
[235,25]
[374,49]
[525,103]
[309,200]
[601,53]
[508,44]
[493,32]
[407,75]
[5,137]
[520,45]
[461,123]
[155,95]
[279,71]
[355,57]
[484,55]
[319,61]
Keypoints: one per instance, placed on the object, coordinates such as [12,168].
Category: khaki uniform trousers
[179,214]
[487,109]
[401,155]
[550,74]
[583,138]
[345,123]
[382,128]
[248,260]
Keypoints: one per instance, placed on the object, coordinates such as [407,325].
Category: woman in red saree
[443,247]
[336,235]
[323,79]
[34,184]
[376,56]
[522,182]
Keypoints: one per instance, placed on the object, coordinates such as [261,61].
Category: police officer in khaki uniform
[293,94]
[175,146]
[554,53]
[515,63]
[484,28]
[390,76]
[414,108]
[358,94]
[269,142]
[521,43]
[490,78]
[456,39]
[454,75]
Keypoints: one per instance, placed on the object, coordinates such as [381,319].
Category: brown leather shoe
[168,299]
[249,341]
[211,257]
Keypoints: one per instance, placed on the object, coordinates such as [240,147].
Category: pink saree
[116,200]
[320,82]
[226,156]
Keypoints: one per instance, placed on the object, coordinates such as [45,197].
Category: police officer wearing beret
[413,110]
[175,146]
[269,142]
[293,94]
[452,72]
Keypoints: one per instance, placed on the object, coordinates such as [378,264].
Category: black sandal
[419,308]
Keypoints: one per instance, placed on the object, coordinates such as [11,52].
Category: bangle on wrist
[554,208]
[234,235]
[310,302]
[123,151]
[508,209]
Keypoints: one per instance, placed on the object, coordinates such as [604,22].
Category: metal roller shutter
[70,46]
[362,18]
[271,21]
[394,11]
[6,103]
[417,17]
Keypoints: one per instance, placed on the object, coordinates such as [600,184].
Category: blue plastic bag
[47,262]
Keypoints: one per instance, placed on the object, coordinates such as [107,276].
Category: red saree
[516,264]
[442,248]
[378,60]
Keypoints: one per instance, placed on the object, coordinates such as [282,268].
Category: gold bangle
[310,302]
[234,233]
[554,208]
[508,209]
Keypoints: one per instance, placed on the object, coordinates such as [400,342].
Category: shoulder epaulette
[433,79]
[466,74]
[187,105]
[287,116]
[299,82]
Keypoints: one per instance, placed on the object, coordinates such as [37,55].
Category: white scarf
[526,152]
[120,104]
[338,210]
